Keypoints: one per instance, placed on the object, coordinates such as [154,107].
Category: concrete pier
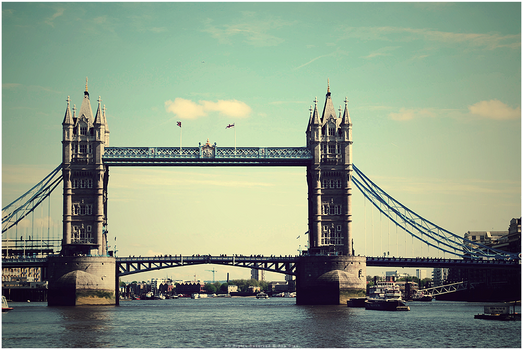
[330,280]
[82,281]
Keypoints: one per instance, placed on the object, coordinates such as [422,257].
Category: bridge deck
[285,265]
[220,156]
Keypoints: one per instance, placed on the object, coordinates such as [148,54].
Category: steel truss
[447,288]
[132,265]
[176,156]
[421,228]
[16,211]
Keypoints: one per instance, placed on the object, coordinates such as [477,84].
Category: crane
[213,271]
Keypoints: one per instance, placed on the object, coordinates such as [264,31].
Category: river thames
[251,322]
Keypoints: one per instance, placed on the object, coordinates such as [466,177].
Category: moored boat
[262,295]
[386,296]
[5,306]
[357,302]
[420,296]
[500,313]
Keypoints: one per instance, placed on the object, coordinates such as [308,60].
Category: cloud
[409,114]
[486,41]
[253,30]
[187,109]
[11,85]
[495,109]
[382,52]
[57,14]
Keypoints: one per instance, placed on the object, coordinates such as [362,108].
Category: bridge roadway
[285,264]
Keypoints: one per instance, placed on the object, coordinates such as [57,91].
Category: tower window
[83,130]
[83,148]
[332,149]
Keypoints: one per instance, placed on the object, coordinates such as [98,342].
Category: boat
[500,313]
[386,295]
[262,295]
[420,296]
[357,302]
[195,296]
[5,306]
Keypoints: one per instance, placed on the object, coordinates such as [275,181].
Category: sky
[434,93]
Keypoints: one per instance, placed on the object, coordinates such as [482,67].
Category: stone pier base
[82,281]
[330,280]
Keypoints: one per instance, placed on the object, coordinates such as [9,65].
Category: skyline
[434,96]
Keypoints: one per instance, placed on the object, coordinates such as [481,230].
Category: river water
[251,322]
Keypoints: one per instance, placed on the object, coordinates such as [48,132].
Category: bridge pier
[82,280]
[330,280]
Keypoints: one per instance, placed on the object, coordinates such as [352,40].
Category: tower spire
[67,118]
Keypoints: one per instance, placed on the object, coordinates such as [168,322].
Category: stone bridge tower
[329,138]
[330,273]
[83,274]
[85,179]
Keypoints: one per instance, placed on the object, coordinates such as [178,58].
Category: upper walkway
[201,156]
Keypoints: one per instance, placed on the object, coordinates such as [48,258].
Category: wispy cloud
[397,34]
[50,20]
[254,31]
[187,109]
[405,114]
[385,51]
[427,186]
[161,179]
[494,109]
[337,52]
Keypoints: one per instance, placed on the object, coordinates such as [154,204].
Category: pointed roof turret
[105,121]
[99,118]
[68,120]
[328,109]
[346,115]
[85,108]
[315,115]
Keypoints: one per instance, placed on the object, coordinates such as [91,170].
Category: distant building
[490,284]
[421,274]
[440,276]
[190,288]
[232,288]
[258,275]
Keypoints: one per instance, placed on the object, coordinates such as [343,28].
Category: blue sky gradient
[434,95]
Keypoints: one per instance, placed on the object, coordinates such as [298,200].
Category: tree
[223,288]
[210,288]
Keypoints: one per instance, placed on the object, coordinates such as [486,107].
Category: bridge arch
[132,265]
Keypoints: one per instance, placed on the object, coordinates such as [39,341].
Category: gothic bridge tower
[85,179]
[83,274]
[330,273]
[329,180]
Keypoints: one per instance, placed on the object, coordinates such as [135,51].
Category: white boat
[262,295]
[195,296]
[386,295]
[5,306]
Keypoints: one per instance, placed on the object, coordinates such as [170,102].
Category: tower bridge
[84,267]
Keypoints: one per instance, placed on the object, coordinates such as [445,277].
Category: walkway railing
[172,156]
